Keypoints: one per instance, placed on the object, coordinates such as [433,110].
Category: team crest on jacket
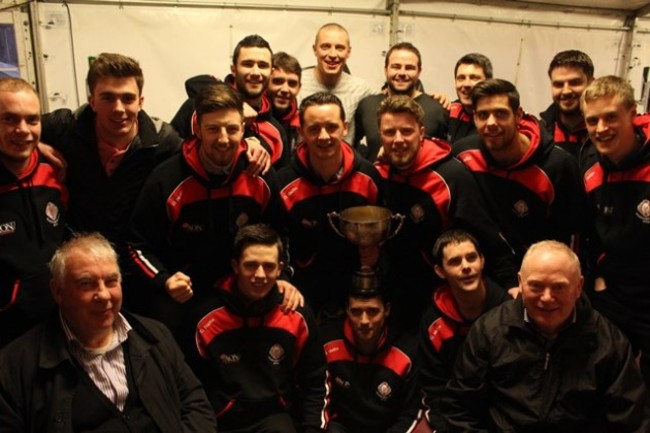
[520,208]
[52,213]
[384,391]
[242,219]
[7,228]
[276,354]
[643,211]
[417,213]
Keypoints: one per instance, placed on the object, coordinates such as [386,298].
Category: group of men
[222,219]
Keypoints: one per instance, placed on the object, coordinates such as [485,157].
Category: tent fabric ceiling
[630,5]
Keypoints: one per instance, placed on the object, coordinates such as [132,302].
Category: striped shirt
[105,366]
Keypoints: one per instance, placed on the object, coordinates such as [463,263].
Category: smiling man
[92,367]
[191,207]
[325,175]
[546,361]
[434,191]
[617,181]
[32,212]
[283,89]
[466,294]
[385,397]
[402,68]
[532,187]
[570,72]
[332,49]
[264,369]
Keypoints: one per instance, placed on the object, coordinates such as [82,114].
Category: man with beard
[249,75]
[470,69]
[402,67]
[332,49]
[283,89]
[434,191]
[618,190]
[570,73]
[532,187]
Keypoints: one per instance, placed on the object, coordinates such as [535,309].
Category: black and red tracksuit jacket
[258,360]
[539,197]
[437,193]
[575,140]
[619,202]
[377,392]
[461,123]
[323,261]
[32,226]
[442,332]
[186,219]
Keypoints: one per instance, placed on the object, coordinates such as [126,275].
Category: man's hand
[292,296]
[259,160]
[249,113]
[179,287]
[443,99]
[55,158]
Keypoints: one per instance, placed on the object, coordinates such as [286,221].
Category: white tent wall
[178,41]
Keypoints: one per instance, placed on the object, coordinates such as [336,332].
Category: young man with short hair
[263,368]
[283,89]
[617,181]
[464,296]
[372,366]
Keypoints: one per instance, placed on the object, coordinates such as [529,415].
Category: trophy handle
[330,217]
[400,222]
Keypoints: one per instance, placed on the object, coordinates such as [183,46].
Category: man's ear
[233,264]
[440,272]
[387,307]
[55,288]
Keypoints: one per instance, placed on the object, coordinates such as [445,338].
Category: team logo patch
[242,219]
[384,391]
[276,354]
[643,211]
[230,358]
[7,228]
[192,228]
[417,213]
[52,214]
[520,208]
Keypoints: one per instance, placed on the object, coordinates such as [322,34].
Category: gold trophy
[366,226]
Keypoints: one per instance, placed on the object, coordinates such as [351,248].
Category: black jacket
[39,378]
[32,226]
[574,140]
[507,378]
[373,393]
[99,202]
[538,197]
[259,360]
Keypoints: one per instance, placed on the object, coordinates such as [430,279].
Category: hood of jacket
[432,152]
[191,156]
[238,303]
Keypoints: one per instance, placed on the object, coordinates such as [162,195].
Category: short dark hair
[475,59]
[368,285]
[256,234]
[573,59]
[215,97]
[407,46]
[250,41]
[114,65]
[320,98]
[401,104]
[287,63]
[453,236]
[494,87]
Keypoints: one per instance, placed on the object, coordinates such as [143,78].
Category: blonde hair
[609,85]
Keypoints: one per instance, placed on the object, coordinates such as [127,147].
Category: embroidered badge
[520,208]
[52,213]
[242,219]
[384,391]
[7,228]
[276,354]
[643,211]
[417,213]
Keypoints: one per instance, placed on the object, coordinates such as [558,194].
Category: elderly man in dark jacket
[90,368]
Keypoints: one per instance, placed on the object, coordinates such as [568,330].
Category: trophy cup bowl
[366,225]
